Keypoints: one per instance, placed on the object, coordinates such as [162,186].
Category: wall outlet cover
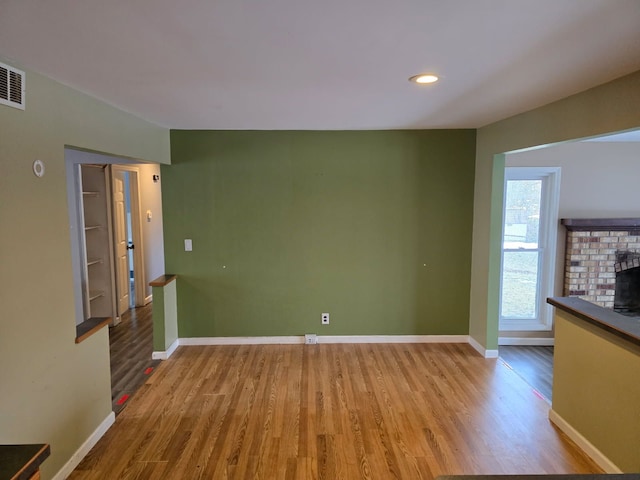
[325,319]
[310,339]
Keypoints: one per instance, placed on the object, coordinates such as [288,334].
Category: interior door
[120,239]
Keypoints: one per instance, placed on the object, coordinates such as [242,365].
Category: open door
[120,239]
[127,238]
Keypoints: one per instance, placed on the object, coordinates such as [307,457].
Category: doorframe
[139,280]
[74,157]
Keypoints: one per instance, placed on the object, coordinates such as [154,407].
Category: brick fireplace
[602,262]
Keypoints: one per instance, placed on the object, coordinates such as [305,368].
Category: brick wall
[591,263]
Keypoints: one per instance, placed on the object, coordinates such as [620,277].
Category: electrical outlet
[310,339]
[325,319]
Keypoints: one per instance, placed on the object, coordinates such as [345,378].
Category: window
[530,220]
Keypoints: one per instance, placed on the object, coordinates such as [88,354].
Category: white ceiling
[632,136]
[323,64]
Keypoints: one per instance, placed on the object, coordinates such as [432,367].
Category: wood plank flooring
[366,411]
[130,348]
[533,363]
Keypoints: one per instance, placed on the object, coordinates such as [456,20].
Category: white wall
[598,180]
[151,199]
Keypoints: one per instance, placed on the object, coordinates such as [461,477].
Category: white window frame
[548,234]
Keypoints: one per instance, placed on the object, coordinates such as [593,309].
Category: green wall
[289,224]
[52,390]
[611,107]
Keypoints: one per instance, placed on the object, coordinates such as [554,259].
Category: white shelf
[94,294]
[99,299]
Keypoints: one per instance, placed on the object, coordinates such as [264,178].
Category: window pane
[522,213]
[519,285]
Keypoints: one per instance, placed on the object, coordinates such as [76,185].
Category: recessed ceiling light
[424,78]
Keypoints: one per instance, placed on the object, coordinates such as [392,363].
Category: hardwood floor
[130,347]
[402,411]
[533,364]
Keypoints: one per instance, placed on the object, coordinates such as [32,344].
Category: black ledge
[605,224]
[20,462]
[624,327]
[90,326]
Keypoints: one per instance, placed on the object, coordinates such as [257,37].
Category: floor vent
[11,86]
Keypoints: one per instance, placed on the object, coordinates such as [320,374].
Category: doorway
[131,340]
[127,238]
[92,212]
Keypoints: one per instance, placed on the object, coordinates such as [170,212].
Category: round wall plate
[38,168]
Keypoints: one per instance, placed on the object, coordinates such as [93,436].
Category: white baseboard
[481,350]
[299,339]
[287,340]
[88,444]
[167,353]
[537,342]
[587,447]
[393,339]
[242,340]
[148,300]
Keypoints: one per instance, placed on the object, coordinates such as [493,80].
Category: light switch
[188,245]
[149,215]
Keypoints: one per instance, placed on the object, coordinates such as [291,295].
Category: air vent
[11,86]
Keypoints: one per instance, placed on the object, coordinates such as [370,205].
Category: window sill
[87,328]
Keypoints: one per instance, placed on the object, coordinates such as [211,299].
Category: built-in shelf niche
[98,280]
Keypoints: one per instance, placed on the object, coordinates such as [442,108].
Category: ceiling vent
[11,86]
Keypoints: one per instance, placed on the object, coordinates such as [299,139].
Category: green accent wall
[289,224]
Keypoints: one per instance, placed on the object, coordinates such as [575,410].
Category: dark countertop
[163,280]
[90,326]
[627,328]
[20,462]
[570,476]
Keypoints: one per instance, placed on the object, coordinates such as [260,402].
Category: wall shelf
[95,294]
[98,295]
